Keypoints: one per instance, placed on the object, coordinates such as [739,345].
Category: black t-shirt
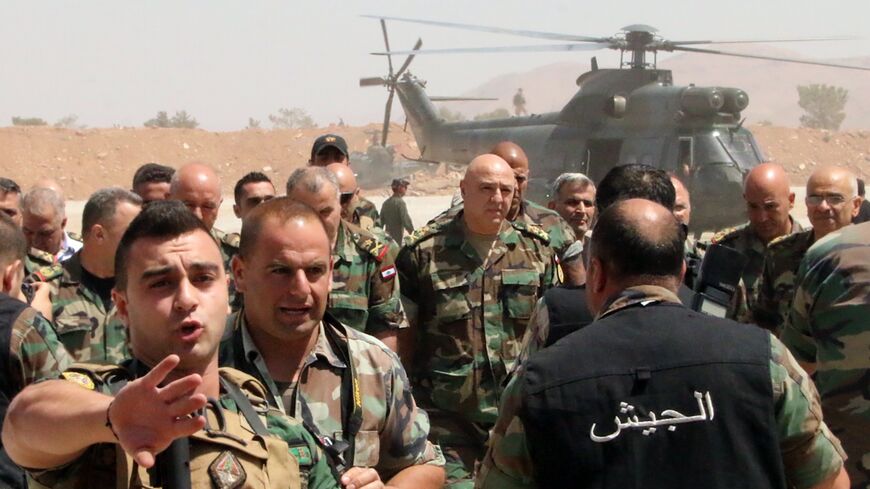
[102,286]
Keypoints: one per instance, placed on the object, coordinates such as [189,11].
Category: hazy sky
[119,61]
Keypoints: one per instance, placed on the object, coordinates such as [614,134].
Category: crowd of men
[503,344]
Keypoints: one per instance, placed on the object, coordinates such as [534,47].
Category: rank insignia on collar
[226,471]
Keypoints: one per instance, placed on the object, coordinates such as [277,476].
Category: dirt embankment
[85,160]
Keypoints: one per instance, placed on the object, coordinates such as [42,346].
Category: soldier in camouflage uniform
[469,286]
[365,286]
[32,350]
[827,332]
[810,455]
[107,423]
[561,235]
[332,148]
[37,259]
[394,211]
[832,201]
[768,202]
[10,200]
[346,386]
[83,311]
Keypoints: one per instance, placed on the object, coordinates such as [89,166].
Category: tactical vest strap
[245,407]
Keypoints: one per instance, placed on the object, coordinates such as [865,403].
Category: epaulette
[231,239]
[371,245]
[533,230]
[46,274]
[725,234]
[422,233]
[786,239]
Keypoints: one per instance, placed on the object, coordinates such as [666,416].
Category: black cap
[400,182]
[328,140]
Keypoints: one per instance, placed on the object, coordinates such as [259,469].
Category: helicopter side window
[686,157]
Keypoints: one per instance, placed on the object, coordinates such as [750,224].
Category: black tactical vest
[566,307]
[654,396]
[10,474]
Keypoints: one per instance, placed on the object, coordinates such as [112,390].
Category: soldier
[250,191]
[832,201]
[71,242]
[469,285]
[864,210]
[573,198]
[827,329]
[394,211]
[31,350]
[44,221]
[332,148]
[521,210]
[365,288]
[682,203]
[151,182]
[10,200]
[654,395]
[312,364]
[81,288]
[768,202]
[350,199]
[169,406]
[520,103]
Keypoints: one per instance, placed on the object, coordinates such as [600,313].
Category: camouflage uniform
[227,448]
[392,431]
[470,317]
[229,246]
[828,326]
[776,284]
[744,240]
[394,215]
[810,453]
[365,286]
[35,352]
[37,259]
[89,332]
[365,214]
[559,231]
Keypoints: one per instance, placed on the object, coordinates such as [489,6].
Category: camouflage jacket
[470,315]
[392,434]
[810,453]
[35,352]
[394,216]
[227,453]
[365,286]
[559,231]
[744,240]
[365,214]
[229,246]
[37,259]
[828,327]
[776,283]
[89,332]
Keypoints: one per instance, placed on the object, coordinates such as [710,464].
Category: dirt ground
[85,160]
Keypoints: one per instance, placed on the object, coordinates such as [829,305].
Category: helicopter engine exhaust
[702,101]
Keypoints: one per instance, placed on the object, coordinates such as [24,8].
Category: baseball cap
[328,140]
[400,182]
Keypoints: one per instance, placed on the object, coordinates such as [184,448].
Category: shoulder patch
[302,454]
[421,233]
[47,274]
[80,379]
[533,230]
[724,234]
[372,246]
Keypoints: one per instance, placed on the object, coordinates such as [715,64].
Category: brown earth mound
[85,160]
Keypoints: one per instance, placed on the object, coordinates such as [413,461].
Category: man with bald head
[651,390]
[768,202]
[469,284]
[365,288]
[522,210]
[832,202]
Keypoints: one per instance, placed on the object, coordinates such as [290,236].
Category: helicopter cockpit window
[741,148]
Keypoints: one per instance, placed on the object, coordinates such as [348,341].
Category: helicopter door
[603,154]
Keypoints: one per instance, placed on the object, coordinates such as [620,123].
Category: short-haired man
[29,348]
[573,198]
[71,242]
[469,285]
[827,330]
[106,425]
[768,199]
[864,209]
[365,288]
[44,221]
[654,392]
[332,148]
[832,201]
[151,182]
[394,211]
[250,191]
[346,386]
[81,288]
[10,200]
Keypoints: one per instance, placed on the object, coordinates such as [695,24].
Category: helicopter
[625,115]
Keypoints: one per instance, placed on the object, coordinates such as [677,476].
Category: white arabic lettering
[668,417]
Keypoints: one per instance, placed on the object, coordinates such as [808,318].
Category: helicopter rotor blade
[754,41]
[498,30]
[506,49]
[410,58]
[770,58]
[387,112]
[374,81]
[387,44]
[461,99]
